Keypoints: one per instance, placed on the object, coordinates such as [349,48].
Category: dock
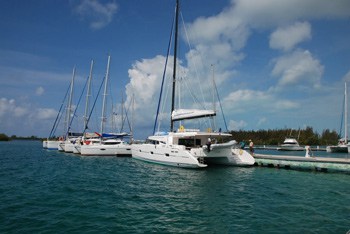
[303,163]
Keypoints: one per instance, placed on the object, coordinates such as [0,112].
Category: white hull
[175,155]
[180,156]
[337,149]
[105,150]
[76,148]
[45,144]
[68,147]
[61,146]
[52,145]
[242,157]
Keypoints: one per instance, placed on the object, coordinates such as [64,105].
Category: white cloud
[39,91]
[97,13]
[245,101]
[262,121]
[299,69]
[23,118]
[286,38]
[347,77]
[145,81]
[272,13]
[237,125]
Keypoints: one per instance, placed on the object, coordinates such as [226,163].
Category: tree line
[4,137]
[305,136]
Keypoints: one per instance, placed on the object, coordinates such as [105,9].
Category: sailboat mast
[346,114]
[104,97]
[88,94]
[174,68]
[69,106]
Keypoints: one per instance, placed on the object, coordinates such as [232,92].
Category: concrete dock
[303,163]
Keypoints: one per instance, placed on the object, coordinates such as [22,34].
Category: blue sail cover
[114,135]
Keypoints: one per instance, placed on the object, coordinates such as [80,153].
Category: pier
[303,163]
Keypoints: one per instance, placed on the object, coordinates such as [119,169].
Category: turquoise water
[50,192]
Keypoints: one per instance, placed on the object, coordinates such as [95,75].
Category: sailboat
[342,146]
[187,148]
[107,144]
[78,142]
[63,144]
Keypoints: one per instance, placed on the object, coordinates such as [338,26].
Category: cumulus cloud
[237,125]
[97,13]
[245,100]
[272,13]
[39,91]
[299,69]
[17,118]
[222,38]
[286,38]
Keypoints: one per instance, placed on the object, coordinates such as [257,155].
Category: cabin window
[190,142]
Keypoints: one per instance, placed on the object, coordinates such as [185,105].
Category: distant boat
[66,144]
[342,146]
[111,144]
[187,148]
[290,144]
[50,143]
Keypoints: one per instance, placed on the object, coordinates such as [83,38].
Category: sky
[276,63]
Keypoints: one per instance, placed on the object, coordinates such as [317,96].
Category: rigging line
[54,127]
[164,104]
[195,99]
[195,65]
[93,106]
[164,72]
[126,118]
[222,111]
[76,108]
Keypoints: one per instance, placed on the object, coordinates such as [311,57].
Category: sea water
[44,191]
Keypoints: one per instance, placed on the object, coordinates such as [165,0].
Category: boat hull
[337,149]
[179,156]
[106,150]
[176,156]
[60,146]
[52,145]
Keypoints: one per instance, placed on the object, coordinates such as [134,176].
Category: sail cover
[182,114]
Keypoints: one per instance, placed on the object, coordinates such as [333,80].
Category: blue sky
[277,64]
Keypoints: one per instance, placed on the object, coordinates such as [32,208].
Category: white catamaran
[188,148]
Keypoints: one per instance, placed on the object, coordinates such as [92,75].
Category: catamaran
[188,148]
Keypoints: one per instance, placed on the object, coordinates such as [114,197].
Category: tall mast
[174,69]
[103,118]
[69,106]
[346,114]
[88,94]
